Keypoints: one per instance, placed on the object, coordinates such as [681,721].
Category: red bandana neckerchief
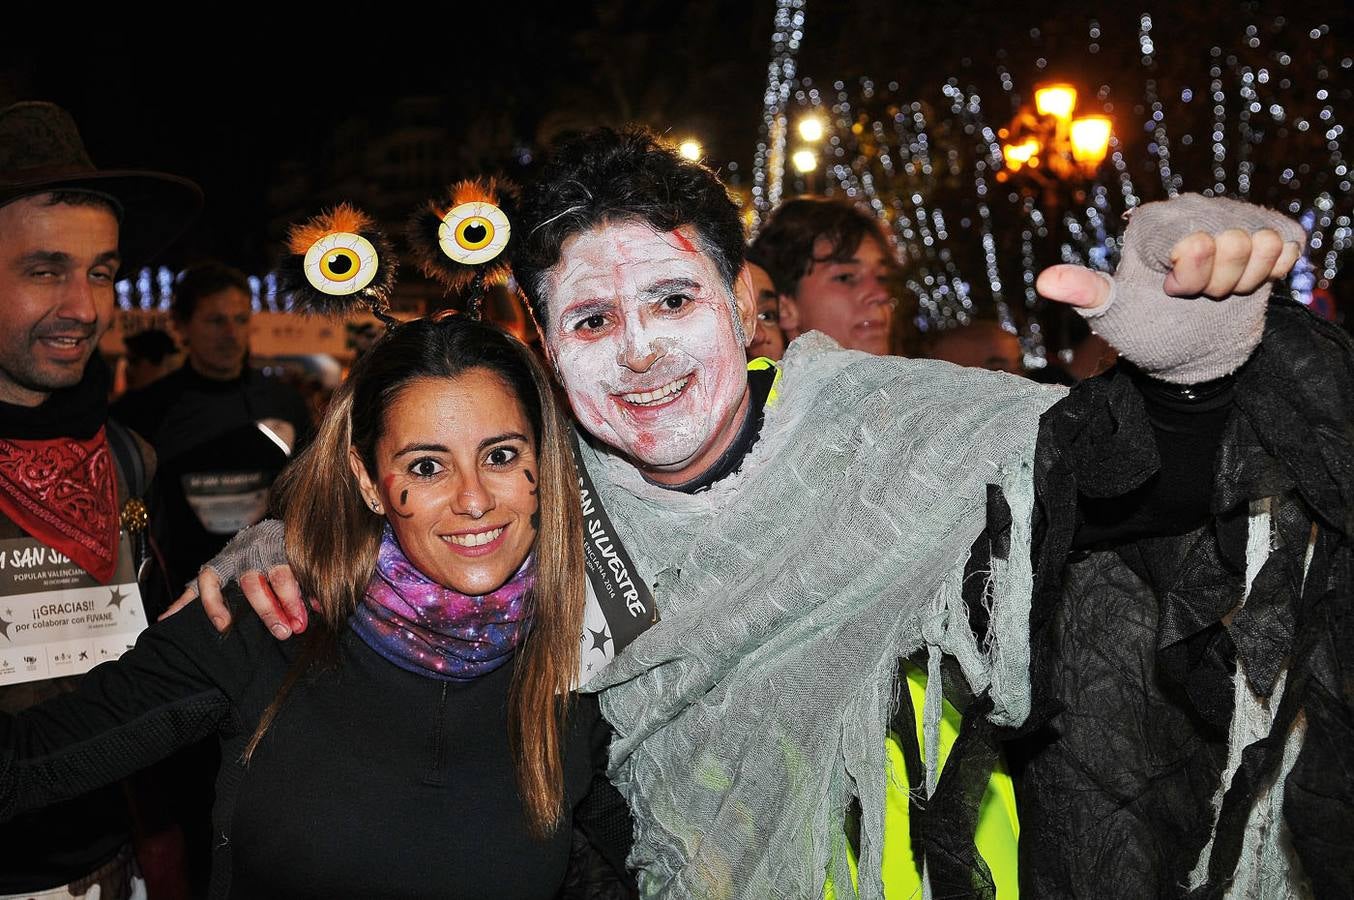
[62,491]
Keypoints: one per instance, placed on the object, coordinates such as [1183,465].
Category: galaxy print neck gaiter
[426,628]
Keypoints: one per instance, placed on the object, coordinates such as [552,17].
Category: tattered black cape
[1132,654]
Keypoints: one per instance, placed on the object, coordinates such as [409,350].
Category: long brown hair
[332,537]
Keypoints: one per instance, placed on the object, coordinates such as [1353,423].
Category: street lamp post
[811,129]
[1051,154]
[805,162]
[1052,147]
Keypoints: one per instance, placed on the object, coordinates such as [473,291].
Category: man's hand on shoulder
[1179,257]
[256,559]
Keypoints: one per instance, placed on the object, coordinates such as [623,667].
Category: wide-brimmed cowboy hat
[41,151]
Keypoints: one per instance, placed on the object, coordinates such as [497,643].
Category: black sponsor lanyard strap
[621,593]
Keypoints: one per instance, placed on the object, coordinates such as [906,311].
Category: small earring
[375,507]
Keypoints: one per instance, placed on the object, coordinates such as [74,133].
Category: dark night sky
[224,104]
[225,100]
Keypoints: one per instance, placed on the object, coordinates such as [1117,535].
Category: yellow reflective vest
[998,827]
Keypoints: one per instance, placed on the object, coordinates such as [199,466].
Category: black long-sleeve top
[372,781]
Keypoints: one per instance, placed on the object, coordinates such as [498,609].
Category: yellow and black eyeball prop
[461,238]
[474,233]
[341,263]
[338,262]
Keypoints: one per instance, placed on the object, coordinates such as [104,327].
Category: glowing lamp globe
[1024,153]
[1090,137]
[1057,100]
[811,128]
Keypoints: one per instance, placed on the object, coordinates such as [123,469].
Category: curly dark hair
[784,246]
[606,175]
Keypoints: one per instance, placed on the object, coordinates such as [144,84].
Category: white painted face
[642,333]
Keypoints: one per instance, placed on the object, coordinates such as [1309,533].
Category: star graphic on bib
[599,639]
[5,623]
[116,597]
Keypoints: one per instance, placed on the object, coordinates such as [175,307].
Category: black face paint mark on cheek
[532,480]
[404,497]
[404,501]
[536,520]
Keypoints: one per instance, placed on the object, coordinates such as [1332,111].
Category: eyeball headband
[460,239]
[339,261]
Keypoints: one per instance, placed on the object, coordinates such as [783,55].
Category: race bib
[55,619]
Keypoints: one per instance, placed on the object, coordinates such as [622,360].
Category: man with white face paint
[805,529]
[647,337]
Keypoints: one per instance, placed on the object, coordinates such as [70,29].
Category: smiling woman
[450,469]
[427,719]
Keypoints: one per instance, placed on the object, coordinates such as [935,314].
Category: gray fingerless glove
[255,549]
[1183,340]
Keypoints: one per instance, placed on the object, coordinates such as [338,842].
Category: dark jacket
[1138,639]
[215,464]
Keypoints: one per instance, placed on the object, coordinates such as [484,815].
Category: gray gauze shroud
[747,718]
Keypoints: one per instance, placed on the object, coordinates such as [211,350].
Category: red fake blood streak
[683,242]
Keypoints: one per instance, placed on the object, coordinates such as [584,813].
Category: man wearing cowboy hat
[66,470]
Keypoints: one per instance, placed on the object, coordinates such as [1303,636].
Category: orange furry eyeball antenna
[339,261]
[461,237]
